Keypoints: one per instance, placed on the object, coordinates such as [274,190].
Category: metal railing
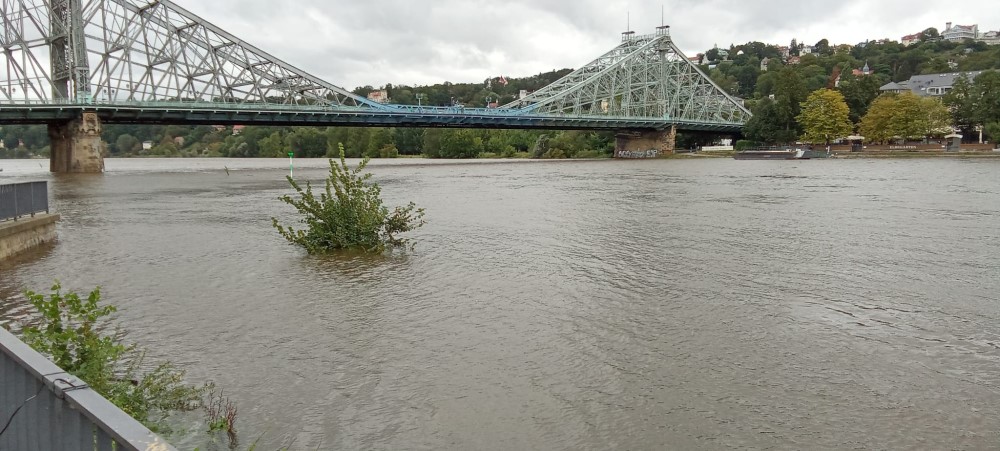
[43,408]
[21,199]
[388,110]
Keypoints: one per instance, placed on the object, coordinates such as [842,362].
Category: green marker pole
[291,165]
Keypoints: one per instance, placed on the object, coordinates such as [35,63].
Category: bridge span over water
[75,64]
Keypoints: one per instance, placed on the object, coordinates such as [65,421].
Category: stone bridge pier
[645,144]
[76,145]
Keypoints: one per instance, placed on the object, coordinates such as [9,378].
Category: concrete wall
[912,148]
[26,233]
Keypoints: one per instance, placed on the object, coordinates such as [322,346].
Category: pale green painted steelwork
[646,76]
[137,53]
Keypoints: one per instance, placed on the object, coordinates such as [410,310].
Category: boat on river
[781,154]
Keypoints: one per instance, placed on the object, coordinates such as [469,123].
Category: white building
[958,33]
[911,39]
[931,85]
[379,96]
[990,37]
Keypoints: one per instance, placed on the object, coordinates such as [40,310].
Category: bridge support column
[76,146]
[645,144]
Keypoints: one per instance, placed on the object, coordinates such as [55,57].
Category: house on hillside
[990,37]
[932,85]
[863,72]
[911,39]
[894,88]
[379,96]
[958,33]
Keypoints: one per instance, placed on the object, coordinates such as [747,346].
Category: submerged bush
[348,214]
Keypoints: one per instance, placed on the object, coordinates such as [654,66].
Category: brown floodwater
[670,304]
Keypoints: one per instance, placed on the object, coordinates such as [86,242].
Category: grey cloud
[352,43]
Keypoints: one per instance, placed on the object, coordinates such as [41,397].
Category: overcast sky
[353,43]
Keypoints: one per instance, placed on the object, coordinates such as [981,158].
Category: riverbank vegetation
[126,141]
[347,214]
[129,140]
[76,334]
[68,329]
[825,116]
[775,87]
[772,84]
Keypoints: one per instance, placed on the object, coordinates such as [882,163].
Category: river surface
[645,305]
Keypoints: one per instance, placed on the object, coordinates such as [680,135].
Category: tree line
[322,142]
[776,91]
[129,140]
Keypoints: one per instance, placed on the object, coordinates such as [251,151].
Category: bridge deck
[391,116]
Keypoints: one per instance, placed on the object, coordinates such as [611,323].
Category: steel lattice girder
[142,51]
[153,52]
[645,76]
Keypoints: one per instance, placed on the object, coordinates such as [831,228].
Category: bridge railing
[22,199]
[253,106]
[43,408]
[514,117]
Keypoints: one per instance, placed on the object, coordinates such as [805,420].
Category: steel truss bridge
[155,62]
[152,61]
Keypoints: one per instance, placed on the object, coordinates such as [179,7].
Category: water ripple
[603,305]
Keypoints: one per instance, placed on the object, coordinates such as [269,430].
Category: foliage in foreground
[348,214]
[69,334]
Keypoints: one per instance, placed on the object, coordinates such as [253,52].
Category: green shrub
[591,154]
[69,334]
[388,151]
[541,147]
[554,154]
[348,214]
[992,131]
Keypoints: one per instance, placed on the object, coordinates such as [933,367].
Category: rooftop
[932,80]
[931,84]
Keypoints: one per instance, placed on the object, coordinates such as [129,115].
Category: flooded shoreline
[689,304]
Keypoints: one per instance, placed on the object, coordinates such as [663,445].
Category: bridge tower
[76,144]
[645,77]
